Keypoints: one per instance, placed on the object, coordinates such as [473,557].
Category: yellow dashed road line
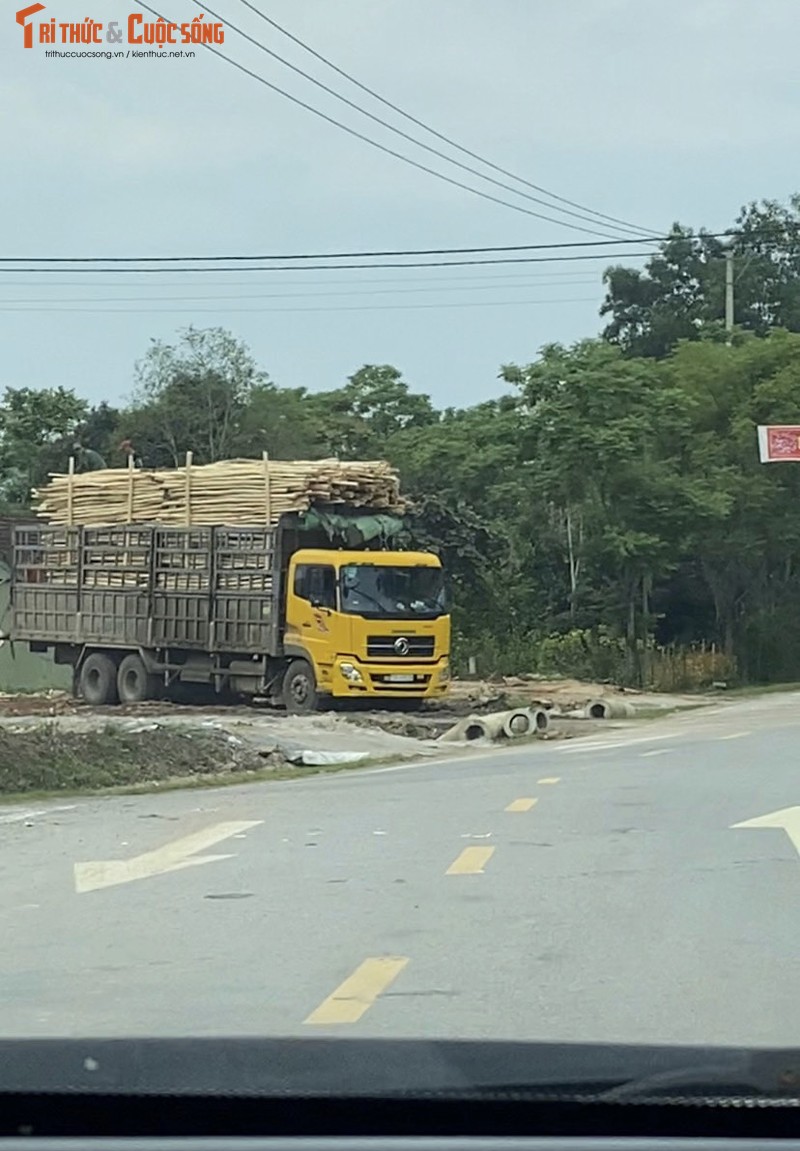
[359,991]
[521,804]
[471,861]
[550,779]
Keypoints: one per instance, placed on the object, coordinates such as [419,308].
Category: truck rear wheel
[97,680]
[299,690]
[134,683]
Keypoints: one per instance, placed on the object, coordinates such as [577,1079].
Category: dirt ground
[52,742]
[560,696]
[374,731]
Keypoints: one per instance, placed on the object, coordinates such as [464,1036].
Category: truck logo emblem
[401,646]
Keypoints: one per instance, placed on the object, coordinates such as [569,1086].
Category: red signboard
[779,443]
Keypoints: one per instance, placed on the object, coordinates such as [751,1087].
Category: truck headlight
[444,673]
[350,672]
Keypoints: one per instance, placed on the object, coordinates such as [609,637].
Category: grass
[45,762]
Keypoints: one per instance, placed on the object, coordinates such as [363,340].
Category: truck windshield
[378,591]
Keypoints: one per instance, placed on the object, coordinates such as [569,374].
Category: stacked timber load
[236,492]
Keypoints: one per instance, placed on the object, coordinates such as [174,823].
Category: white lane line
[33,813]
[657,751]
[735,735]
[594,746]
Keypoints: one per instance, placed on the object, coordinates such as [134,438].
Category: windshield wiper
[749,1075]
[755,1076]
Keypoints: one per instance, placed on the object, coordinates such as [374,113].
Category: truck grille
[390,647]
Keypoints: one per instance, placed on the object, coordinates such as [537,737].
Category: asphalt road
[594,890]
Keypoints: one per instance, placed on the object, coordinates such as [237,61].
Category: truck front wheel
[299,689]
[97,680]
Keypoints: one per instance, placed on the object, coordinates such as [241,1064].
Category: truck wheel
[97,680]
[299,688]
[134,683]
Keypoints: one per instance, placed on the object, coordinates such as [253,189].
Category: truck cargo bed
[212,589]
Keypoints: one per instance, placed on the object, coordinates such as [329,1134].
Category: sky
[649,112]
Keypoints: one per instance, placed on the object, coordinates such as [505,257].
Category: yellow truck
[275,612]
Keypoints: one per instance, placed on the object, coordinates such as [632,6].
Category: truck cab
[369,624]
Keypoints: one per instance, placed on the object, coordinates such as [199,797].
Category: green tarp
[352,529]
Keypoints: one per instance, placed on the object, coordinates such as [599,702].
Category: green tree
[748,554]
[192,396]
[363,418]
[604,440]
[680,293]
[34,427]
[281,421]
[467,477]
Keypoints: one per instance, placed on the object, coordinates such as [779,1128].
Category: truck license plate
[400,679]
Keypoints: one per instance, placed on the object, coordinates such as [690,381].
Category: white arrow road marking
[788,819]
[175,856]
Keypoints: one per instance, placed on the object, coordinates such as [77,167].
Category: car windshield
[379,591]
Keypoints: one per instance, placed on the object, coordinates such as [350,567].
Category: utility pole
[729,292]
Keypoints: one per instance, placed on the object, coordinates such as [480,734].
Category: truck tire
[299,689]
[97,680]
[135,684]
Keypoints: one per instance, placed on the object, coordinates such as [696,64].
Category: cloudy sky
[649,112]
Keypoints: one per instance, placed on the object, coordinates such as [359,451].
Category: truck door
[310,608]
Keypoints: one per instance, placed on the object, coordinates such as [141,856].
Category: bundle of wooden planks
[237,492]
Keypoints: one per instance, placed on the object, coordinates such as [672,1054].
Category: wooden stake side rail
[234,492]
[205,588]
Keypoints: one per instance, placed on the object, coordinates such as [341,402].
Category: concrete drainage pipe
[500,725]
[540,720]
[609,709]
[468,729]
[517,723]
[475,729]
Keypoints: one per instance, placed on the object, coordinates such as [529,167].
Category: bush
[582,654]
[594,654]
[494,655]
[689,668]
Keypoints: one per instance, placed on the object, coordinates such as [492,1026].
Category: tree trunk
[574,565]
[630,636]
[647,583]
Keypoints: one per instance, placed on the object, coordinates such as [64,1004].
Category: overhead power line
[376,144]
[427,128]
[170,271]
[565,245]
[568,277]
[337,308]
[370,291]
[579,215]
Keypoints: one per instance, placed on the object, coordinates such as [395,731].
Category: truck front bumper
[351,678]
